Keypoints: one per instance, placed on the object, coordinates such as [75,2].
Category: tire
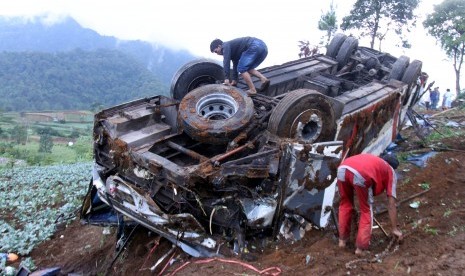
[305,115]
[215,113]
[412,73]
[335,44]
[398,68]
[345,52]
[193,75]
[410,77]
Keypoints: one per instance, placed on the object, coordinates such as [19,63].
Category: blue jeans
[253,56]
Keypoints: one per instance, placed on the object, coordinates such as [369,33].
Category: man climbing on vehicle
[366,176]
[246,54]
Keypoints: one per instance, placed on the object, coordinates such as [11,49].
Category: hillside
[434,230]
[66,66]
[18,35]
[34,81]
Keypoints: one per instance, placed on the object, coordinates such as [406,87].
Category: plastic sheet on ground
[453,124]
[421,159]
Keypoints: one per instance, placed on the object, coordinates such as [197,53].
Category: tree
[374,18]
[447,25]
[19,134]
[328,22]
[45,142]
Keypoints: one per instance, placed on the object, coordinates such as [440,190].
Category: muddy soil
[434,234]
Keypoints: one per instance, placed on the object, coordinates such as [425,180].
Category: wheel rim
[307,126]
[201,81]
[216,106]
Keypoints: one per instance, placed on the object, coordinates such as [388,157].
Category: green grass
[60,153]
[447,213]
[430,230]
[424,186]
[444,132]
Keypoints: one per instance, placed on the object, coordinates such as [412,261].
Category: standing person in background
[366,176]
[424,98]
[246,54]
[434,97]
[447,99]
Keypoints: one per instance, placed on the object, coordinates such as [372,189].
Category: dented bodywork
[217,168]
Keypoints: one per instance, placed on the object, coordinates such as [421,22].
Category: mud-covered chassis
[214,169]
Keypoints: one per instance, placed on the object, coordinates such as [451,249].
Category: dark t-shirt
[232,51]
[434,95]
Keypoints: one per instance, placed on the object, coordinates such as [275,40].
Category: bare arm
[392,210]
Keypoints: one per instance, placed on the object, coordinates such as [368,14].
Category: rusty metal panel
[287,76]
[313,169]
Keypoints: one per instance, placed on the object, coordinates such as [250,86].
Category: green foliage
[45,143]
[60,154]
[5,147]
[74,133]
[453,232]
[83,148]
[374,18]
[28,263]
[72,80]
[447,213]
[40,148]
[444,132]
[47,130]
[424,186]
[19,134]
[430,230]
[328,23]
[461,95]
[31,200]
[447,25]
[402,156]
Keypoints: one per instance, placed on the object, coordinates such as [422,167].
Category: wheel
[335,44]
[346,50]
[398,68]
[193,75]
[305,115]
[215,113]
[412,73]
[410,77]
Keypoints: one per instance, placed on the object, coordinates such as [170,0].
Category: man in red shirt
[365,175]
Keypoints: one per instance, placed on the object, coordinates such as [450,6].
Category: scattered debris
[415,204]
[452,124]
[274,271]
[404,200]
[381,227]
[392,247]
[420,160]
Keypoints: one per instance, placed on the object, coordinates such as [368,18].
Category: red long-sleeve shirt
[372,171]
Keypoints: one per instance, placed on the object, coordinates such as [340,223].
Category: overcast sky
[192,25]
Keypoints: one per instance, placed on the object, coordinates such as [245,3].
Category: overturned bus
[212,168]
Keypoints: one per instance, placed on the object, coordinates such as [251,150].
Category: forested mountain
[72,80]
[18,35]
[65,66]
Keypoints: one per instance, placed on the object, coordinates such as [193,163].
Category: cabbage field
[33,200]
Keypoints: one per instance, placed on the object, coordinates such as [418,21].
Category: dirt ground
[434,234]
